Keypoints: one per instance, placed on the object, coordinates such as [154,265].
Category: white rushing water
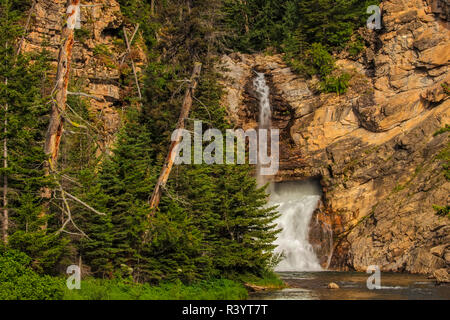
[265,115]
[265,112]
[296,200]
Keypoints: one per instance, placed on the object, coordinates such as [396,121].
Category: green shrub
[214,289]
[337,84]
[318,61]
[446,88]
[442,130]
[19,282]
[443,211]
[83,34]
[101,49]
[355,47]
[445,156]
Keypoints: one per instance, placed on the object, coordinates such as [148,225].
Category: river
[394,286]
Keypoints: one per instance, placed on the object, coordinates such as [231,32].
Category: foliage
[443,211]
[445,129]
[337,84]
[446,88]
[212,289]
[258,24]
[306,31]
[23,123]
[19,282]
[444,155]
[212,221]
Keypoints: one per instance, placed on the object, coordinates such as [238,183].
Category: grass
[268,280]
[98,289]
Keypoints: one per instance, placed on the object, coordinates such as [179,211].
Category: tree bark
[152,7]
[244,13]
[5,226]
[56,124]
[168,163]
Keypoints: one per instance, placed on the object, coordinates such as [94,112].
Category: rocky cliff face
[373,148]
[97,65]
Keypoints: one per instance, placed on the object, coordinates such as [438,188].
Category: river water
[394,286]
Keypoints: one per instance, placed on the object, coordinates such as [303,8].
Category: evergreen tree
[120,190]
[22,88]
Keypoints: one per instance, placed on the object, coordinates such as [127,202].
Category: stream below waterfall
[394,286]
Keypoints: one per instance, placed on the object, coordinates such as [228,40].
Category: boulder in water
[333,285]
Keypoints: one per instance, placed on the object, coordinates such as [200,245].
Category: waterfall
[262,89]
[296,203]
[265,115]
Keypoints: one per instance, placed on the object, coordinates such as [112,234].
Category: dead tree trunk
[5,177]
[131,58]
[168,163]
[59,95]
[152,7]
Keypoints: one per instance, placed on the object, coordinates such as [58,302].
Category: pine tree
[120,189]
[22,88]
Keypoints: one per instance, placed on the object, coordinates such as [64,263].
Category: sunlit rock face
[373,148]
[97,55]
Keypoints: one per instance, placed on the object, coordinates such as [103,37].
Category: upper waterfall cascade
[296,203]
[265,112]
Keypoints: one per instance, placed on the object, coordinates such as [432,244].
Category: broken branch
[132,63]
[99,99]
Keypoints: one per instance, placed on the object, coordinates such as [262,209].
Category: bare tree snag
[132,62]
[131,42]
[244,13]
[168,163]
[59,94]
[5,225]
[152,7]
[99,99]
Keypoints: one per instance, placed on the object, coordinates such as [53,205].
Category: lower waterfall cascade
[296,203]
